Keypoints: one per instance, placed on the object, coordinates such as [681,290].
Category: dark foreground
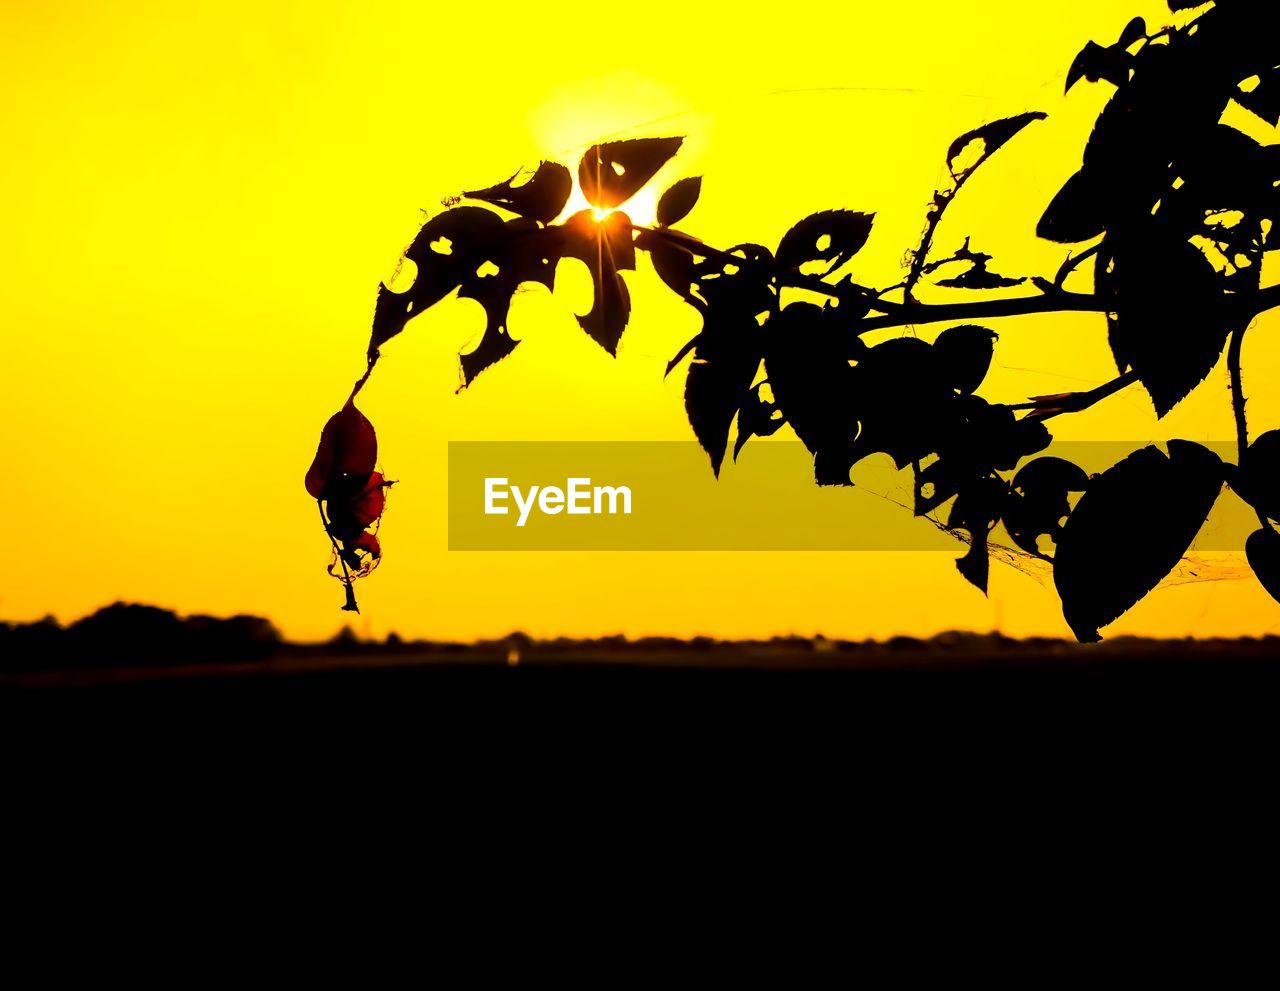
[174,685]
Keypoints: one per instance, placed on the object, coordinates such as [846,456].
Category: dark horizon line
[113,624]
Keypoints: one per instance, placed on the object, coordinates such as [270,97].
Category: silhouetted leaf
[346,455]
[1039,502]
[717,386]
[807,363]
[977,509]
[1258,481]
[613,172]
[965,353]
[972,439]
[674,264]
[756,418]
[606,248]
[977,277]
[446,249]
[1169,323]
[1075,213]
[1130,529]
[728,351]
[831,237]
[739,279]
[473,250]
[541,198]
[1096,62]
[1133,31]
[1263,551]
[515,261]
[1169,101]
[677,201]
[985,141]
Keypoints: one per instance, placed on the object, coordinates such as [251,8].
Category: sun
[642,208]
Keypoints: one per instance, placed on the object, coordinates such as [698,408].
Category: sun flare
[642,208]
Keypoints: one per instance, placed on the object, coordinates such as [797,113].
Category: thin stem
[1047,407]
[941,200]
[373,360]
[1238,401]
[1072,263]
[921,313]
[1237,390]
[911,314]
[350,605]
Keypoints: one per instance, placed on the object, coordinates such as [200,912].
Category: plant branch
[786,277]
[1238,401]
[1047,407]
[350,605]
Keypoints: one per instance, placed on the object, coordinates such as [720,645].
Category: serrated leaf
[606,248]
[716,388]
[613,172]
[446,249]
[1130,529]
[678,201]
[808,369]
[526,255]
[1169,322]
[541,198]
[965,354]
[831,237]
[992,137]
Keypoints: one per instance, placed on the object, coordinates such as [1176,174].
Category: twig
[1047,407]
[1238,400]
[350,605]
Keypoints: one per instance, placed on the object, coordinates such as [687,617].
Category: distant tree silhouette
[128,634]
[1174,207]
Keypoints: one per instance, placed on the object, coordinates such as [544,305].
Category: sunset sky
[198,201]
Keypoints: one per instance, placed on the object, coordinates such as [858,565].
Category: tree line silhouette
[1173,207]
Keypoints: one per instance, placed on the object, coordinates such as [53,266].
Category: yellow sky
[197,203]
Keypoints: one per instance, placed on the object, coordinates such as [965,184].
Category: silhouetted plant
[1179,208]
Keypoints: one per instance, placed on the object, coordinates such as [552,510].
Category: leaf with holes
[611,173]
[983,142]
[831,237]
[445,251]
[1130,529]
[758,417]
[1040,501]
[527,254]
